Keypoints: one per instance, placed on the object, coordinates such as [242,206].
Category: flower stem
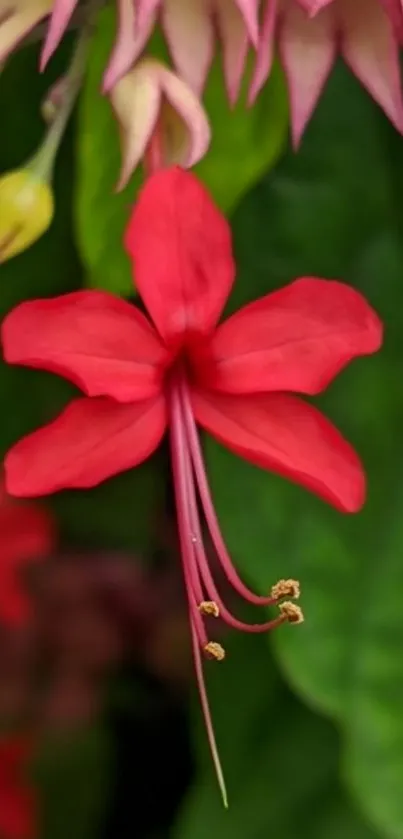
[43,161]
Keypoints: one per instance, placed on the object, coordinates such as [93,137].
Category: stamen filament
[209,512]
[206,575]
[181,464]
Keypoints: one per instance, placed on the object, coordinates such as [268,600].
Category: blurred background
[100,678]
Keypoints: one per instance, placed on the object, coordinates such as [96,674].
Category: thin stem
[43,161]
[180,464]
[209,511]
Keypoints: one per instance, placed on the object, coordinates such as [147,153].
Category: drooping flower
[26,534]
[311,33]
[179,370]
[151,95]
[17,797]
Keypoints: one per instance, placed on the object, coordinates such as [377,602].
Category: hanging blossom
[18,807]
[190,28]
[176,370]
[26,534]
[310,34]
[158,114]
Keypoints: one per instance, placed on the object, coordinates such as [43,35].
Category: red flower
[235,380]
[26,534]
[17,798]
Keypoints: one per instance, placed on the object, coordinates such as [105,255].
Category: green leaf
[336,210]
[120,513]
[73,776]
[246,142]
[280,761]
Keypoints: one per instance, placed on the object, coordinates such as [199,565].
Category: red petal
[101,343]
[17,799]
[90,441]
[17,812]
[286,435]
[180,245]
[297,338]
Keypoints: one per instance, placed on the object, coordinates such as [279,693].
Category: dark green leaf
[336,210]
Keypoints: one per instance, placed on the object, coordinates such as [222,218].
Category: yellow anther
[286,588]
[291,611]
[214,650]
[209,608]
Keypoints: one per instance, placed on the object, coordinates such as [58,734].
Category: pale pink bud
[151,98]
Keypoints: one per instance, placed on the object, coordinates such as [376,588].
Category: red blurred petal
[27,533]
[285,435]
[101,343]
[89,441]
[297,338]
[17,798]
[180,245]
[17,812]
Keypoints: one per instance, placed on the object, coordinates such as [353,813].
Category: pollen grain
[214,650]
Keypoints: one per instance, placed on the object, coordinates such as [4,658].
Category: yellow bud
[26,211]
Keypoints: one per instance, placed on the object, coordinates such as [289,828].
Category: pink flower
[237,380]
[190,29]
[311,33]
[26,534]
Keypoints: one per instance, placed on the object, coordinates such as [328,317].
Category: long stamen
[180,457]
[209,512]
[206,575]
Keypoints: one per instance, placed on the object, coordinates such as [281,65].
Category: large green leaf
[336,210]
[245,143]
[121,513]
[281,761]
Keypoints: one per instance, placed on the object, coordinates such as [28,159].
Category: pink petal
[61,14]
[249,10]
[17,19]
[188,130]
[314,6]
[370,48]
[180,245]
[297,338]
[136,101]
[265,50]
[98,341]
[235,45]
[91,440]
[189,31]
[308,51]
[287,436]
[146,11]
[130,42]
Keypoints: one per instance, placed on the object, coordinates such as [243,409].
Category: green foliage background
[310,721]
